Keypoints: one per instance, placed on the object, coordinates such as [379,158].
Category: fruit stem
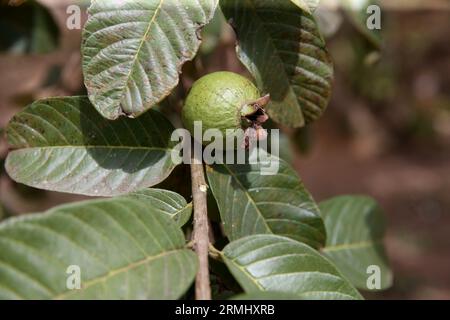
[255,115]
[253,107]
[201,232]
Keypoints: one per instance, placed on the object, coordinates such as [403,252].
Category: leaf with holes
[299,74]
[355,229]
[274,263]
[252,203]
[133,50]
[122,248]
[63,144]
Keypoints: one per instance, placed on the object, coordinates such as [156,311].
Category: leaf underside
[133,50]
[64,144]
[281,46]
[355,231]
[125,249]
[274,263]
[252,203]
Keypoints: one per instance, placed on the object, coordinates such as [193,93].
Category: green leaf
[63,144]
[124,247]
[299,74]
[274,263]
[166,202]
[252,203]
[285,147]
[212,33]
[355,230]
[133,50]
[265,295]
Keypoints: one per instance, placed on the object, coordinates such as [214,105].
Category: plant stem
[201,233]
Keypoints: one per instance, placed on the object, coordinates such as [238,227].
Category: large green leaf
[355,230]
[133,50]
[125,249]
[274,263]
[63,144]
[252,203]
[281,46]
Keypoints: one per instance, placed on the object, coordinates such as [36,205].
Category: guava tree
[251,235]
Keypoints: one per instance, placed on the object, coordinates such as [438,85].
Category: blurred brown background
[386,132]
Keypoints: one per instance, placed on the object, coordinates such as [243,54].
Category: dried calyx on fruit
[228,102]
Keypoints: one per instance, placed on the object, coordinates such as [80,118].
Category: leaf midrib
[256,282]
[250,199]
[117,271]
[245,271]
[144,38]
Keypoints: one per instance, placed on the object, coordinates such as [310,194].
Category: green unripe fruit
[221,100]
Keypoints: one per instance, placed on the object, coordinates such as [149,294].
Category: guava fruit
[226,101]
